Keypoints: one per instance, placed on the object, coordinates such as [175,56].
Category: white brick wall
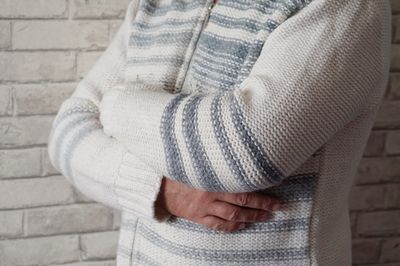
[25,9]
[51,35]
[46,47]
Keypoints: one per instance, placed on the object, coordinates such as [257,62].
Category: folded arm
[314,75]
[99,165]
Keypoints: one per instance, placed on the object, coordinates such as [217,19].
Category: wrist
[170,195]
[160,211]
[161,197]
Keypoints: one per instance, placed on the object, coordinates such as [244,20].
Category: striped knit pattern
[162,45]
[165,34]
[274,96]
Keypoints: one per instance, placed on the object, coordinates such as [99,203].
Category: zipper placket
[211,4]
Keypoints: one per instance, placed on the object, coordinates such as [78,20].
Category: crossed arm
[99,165]
[314,75]
[115,143]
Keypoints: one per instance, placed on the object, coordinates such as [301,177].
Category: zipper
[211,4]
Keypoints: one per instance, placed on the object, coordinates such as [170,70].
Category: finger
[236,213]
[251,200]
[216,223]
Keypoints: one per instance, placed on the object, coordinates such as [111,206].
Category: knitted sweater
[274,96]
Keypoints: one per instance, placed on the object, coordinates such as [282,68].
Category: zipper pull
[210,6]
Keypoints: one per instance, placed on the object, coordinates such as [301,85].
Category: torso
[162,52]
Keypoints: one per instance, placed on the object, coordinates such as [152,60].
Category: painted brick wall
[46,47]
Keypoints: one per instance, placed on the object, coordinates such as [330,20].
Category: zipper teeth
[210,6]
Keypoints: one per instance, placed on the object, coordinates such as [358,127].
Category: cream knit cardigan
[276,96]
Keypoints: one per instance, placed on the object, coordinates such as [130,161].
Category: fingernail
[276,206]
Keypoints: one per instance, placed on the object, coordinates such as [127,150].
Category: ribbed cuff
[137,187]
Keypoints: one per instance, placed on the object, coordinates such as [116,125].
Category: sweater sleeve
[98,165]
[314,75]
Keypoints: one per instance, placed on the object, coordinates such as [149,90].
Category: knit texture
[272,96]
[99,165]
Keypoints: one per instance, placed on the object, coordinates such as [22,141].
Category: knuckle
[243,199]
[213,225]
[208,225]
[251,216]
[234,215]
[267,202]
[217,226]
[230,228]
[234,227]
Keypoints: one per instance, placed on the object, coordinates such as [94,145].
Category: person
[200,118]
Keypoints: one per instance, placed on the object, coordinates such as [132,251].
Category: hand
[215,210]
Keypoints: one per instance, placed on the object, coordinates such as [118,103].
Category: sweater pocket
[127,239]
[135,247]
[282,240]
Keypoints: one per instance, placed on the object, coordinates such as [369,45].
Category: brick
[6,100]
[353,222]
[395,29]
[117,219]
[5,33]
[367,197]
[86,62]
[379,264]
[114,27]
[91,263]
[393,143]
[10,224]
[374,170]
[37,66]
[33,251]
[365,250]
[33,8]
[68,219]
[387,116]
[394,86]
[391,250]
[99,245]
[392,197]
[372,197]
[395,58]
[395,6]
[99,8]
[376,143]
[19,163]
[382,223]
[34,192]
[41,98]
[47,166]
[31,35]
[21,131]
[81,198]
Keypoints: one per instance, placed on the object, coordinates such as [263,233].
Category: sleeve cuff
[137,187]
